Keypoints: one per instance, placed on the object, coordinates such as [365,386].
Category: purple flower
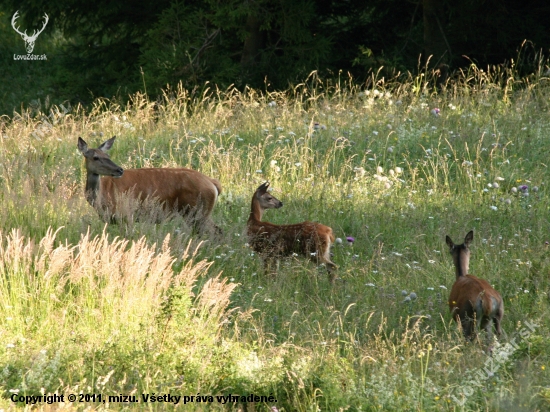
[523,188]
[350,239]
[436,111]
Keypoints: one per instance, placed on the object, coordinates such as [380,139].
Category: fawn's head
[265,199]
[461,253]
[98,161]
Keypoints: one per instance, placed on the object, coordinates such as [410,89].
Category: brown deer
[270,241]
[472,299]
[185,191]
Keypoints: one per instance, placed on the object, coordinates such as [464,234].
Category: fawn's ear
[263,188]
[107,144]
[449,242]
[82,145]
[469,237]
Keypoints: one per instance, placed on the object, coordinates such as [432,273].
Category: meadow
[143,308]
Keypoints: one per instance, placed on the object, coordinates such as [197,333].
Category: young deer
[109,188]
[312,240]
[472,299]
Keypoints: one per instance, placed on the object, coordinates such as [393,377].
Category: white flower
[374,132]
[494,208]
[398,170]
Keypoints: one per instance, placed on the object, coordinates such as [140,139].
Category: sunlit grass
[125,309]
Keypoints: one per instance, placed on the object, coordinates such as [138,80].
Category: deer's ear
[263,188]
[469,237]
[107,145]
[449,242]
[82,145]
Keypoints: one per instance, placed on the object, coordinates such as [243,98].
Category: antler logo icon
[29,40]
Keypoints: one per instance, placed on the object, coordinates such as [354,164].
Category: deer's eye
[96,157]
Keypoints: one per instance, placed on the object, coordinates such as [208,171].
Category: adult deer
[472,299]
[29,40]
[270,241]
[185,191]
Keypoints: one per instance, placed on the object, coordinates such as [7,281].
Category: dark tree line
[118,47]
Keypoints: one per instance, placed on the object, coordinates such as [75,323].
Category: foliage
[112,50]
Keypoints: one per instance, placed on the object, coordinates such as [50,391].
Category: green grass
[139,308]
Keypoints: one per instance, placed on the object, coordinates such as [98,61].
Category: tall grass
[141,307]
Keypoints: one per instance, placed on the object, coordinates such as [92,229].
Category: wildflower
[442,287]
[413,296]
[404,293]
[514,190]
[259,171]
[496,185]
[297,164]
[374,132]
[350,239]
[372,285]
[494,208]
[535,189]
[523,188]
[435,111]
[390,149]
[398,170]
[272,103]
[338,241]
[431,261]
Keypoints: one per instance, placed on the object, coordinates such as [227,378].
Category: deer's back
[475,294]
[284,240]
[176,187]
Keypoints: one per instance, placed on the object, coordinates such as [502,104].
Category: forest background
[114,49]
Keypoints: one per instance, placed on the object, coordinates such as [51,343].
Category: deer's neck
[462,266]
[92,188]
[256,211]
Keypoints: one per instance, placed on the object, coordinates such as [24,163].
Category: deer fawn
[472,299]
[270,241]
[183,190]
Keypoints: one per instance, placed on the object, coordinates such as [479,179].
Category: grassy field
[145,309]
